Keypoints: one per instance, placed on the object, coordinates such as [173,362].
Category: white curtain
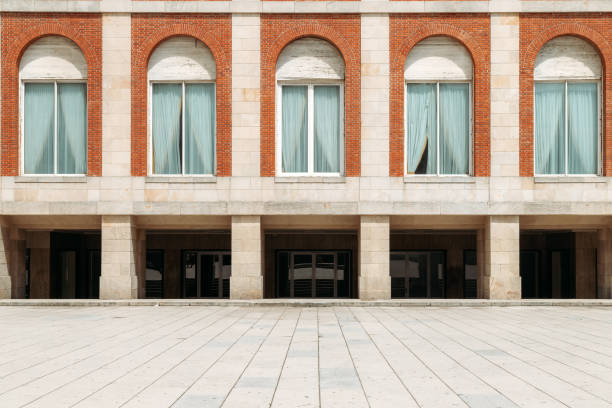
[200,128]
[167,108]
[583,128]
[295,129]
[72,128]
[327,129]
[549,134]
[421,132]
[39,128]
[454,128]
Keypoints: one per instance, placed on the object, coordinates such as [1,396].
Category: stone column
[374,278]
[481,260]
[121,259]
[247,279]
[245,95]
[39,243]
[604,264]
[502,257]
[12,262]
[586,265]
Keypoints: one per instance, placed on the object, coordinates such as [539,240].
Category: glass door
[206,274]
[67,271]
[313,274]
[418,274]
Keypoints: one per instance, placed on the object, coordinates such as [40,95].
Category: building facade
[252,149]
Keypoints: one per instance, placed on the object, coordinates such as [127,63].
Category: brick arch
[21,31]
[337,31]
[527,67]
[148,32]
[480,59]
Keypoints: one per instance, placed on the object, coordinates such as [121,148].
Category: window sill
[51,179]
[440,179]
[180,180]
[310,179]
[570,179]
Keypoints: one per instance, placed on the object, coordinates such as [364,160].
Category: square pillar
[374,257]
[604,264]
[121,260]
[502,278]
[246,281]
[39,243]
[12,262]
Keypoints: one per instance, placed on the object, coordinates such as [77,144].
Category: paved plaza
[233,356]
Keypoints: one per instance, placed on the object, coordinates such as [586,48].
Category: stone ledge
[440,179]
[570,179]
[312,302]
[51,179]
[310,179]
[180,179]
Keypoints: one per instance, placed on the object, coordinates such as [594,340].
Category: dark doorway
[206,274]
[75,265]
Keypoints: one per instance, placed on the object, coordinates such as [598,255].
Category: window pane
[327,129]
[421,132]
[167,128]
[295,129]
[72,128]
[583,128]
[549,132]
[38,128]
[200,128]
[454,128]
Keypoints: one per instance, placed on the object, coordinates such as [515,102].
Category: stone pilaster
[39,243]
[12,262]
[604,264]
[502,258]
[247,280]
[374,238]
[245,94]
[121,258]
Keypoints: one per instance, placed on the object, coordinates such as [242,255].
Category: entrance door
[319,274]
[206,274]
[418,274]
[530,274]
[67,270]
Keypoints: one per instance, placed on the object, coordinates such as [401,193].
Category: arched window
[53,81]
[438,108]
[182,73]
[310,109]
[567,132]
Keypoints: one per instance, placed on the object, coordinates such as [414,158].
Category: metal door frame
[428,271]
[313,262]
[199,254]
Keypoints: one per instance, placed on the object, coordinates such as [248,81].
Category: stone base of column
[374,256]
[502,278]
[246,281]
[121,258]
[12,262]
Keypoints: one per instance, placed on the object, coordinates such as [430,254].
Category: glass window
[183,128]
[566,128]
[55,128]
[311,128]
[438,128]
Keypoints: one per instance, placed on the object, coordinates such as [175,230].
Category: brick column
[12,261]
[604,264]
[502,255]
[39,243]
[121,258]
[247,279]
[374,278]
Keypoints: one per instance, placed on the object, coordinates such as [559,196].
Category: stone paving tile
[241,356]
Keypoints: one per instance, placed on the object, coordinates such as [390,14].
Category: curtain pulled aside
[421,132]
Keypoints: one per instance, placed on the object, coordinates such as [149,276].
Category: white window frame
[470,172]
[55,82]
[279,126]
[150,165]
[565,121]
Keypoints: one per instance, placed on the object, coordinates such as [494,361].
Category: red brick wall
[472,30]
[344,32]
[535,31]
[148,31]
[19,30]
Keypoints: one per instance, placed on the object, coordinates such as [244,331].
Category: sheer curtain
[454,128]
[549,132]
[38,128]
[72,128]
[327,129]
[295,129]
[199,128]
[421,126]
[167,128]
[583,128]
